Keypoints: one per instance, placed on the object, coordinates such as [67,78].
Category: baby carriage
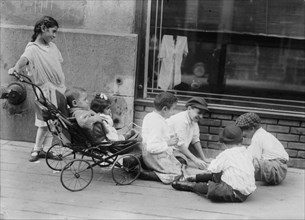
[76,154]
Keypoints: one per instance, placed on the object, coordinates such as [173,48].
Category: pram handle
[63,120]
[22,77]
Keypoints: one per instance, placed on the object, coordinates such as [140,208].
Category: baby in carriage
[101,104]
[88,120]
[96,126]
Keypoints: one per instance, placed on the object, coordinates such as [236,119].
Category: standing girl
[44,61]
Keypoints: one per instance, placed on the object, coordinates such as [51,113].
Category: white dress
[171,56]
[45,66]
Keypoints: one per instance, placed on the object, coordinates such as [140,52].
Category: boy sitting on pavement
[157,140]
[230,176]
[87,119]
[270,157]
[101,105]
[185,125]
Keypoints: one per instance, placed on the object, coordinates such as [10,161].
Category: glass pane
[228,50]
[273,72]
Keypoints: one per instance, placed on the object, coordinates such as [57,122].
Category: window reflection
[232,47]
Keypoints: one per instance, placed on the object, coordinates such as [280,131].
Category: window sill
[238,110]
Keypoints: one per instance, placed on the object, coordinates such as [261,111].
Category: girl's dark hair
[98,104]
[164,99]
[47,21]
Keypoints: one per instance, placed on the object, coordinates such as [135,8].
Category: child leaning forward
[269,155]
[230,176]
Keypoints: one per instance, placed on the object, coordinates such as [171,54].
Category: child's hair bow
[102,96]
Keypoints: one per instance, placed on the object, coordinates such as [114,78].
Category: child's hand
[208,160]
[102,117]
[200,163]
[169,150]
[11,71]
[173,140]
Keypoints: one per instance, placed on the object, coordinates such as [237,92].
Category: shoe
[130,162]
[183,186]
[49,155]
[42,154]
[34,157]
[148,175]
[191,179]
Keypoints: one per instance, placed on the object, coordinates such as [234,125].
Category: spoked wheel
[63,156]
[126,169]
[76,175]
[103,163]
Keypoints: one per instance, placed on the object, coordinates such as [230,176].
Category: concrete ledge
[70,30]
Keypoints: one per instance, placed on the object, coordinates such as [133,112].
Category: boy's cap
[231,134]
[248,120]
[197,102]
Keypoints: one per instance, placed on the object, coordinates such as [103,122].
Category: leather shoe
[148,175]
[191,179]
[129,162]
[183,186]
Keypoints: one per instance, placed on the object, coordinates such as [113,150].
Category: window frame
[291,108]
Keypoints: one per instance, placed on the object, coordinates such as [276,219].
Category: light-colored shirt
[265,146]
[186,130]
[237,167]
[155,133]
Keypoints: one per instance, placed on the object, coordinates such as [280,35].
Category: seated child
[157,140]
[270,156]
[101,105]
[86,118]
[230,176]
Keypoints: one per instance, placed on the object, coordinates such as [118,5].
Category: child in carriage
[94,124]
[101,105]
[91,122]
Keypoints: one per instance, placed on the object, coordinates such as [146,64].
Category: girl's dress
[45,66]
[112,135]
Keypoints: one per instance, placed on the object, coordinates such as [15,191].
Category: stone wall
[99,48]
[291,131]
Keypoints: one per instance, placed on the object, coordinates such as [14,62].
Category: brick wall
[291,132]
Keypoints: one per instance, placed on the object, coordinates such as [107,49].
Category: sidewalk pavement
[34,191]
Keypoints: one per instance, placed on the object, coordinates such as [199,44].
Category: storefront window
[236,52]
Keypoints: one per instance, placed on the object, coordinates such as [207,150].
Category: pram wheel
[126,169]
[64,155]
[76,175]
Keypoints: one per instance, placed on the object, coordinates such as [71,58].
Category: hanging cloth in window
[171,54]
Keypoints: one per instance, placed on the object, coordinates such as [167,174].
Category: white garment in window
[171,55]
